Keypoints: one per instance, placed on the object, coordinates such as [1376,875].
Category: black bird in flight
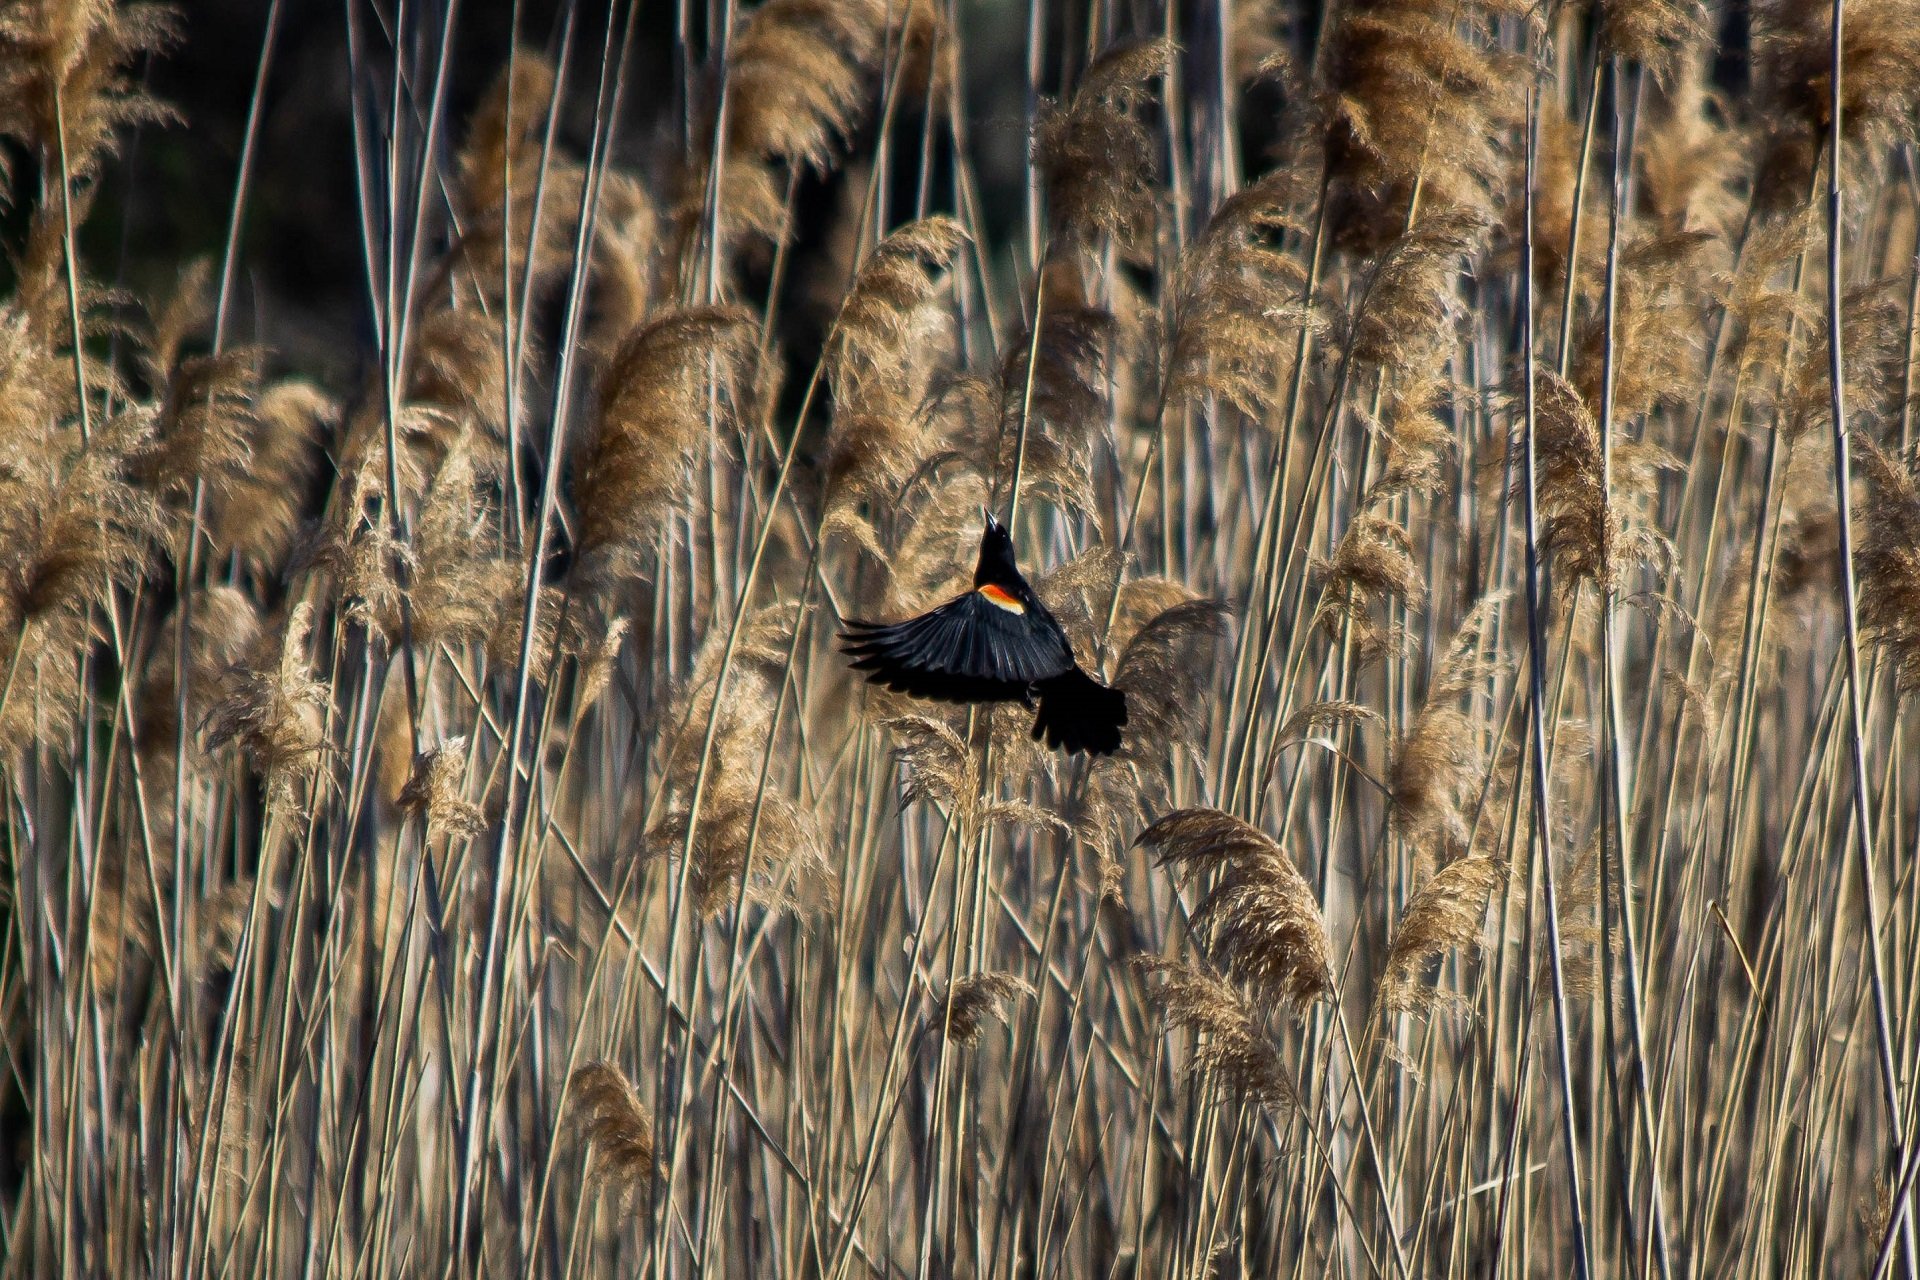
[995,643]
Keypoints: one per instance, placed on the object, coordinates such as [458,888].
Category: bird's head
[997,565]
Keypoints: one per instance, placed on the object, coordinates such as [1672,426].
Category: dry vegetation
[440,839]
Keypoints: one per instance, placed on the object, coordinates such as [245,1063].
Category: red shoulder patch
[999,596]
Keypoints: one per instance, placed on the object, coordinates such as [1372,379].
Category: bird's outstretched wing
[967,650]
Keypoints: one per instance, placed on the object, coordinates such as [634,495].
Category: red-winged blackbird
[996,643]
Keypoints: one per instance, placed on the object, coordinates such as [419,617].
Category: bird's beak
[988,515]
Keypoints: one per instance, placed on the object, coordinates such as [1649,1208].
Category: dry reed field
[442,837]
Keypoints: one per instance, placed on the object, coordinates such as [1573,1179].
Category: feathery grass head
[1163,668]
[1414,419]
[879,363]
[436,791]
[1887,559]
[1593,532]
[881,318]
[1873,363]
[225,630]
[506,168]
[1237,303]
[656,396]
[745,827]
[452,383]
[1581,936]
[1446,915]
[976,998]
[617,1128]
[1095,155]
[1372,563]
[261,509]
[461,585]
[1880,57]
[207,418]
[797,76]
[73,530]
[1417,99]
[628,242]
[272,707]
[747,831]
[1691,159]
[1408,304]
[1228,1041]
[940,768]
[1661,307]
[1260,917]
[1439,764]
[1064,401]
[65,79]
[1657,34]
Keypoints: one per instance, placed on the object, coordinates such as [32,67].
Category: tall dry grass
[440,838]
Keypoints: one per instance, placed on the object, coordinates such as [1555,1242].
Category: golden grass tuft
[1260,920]
[1446,915]
[657,396]
[436,792]
[1095,155]
[65,84]
[1417,99]
[977,998]
[881,360]
[616,1128]
[1887,558]
[271,707]
[797,76]
[1228,1042]
[1439,764]
[1237,303]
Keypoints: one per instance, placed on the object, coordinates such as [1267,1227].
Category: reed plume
[462,586]
[1371,564]
[65,76]
[73,530]
[1445,915]
[1237,303]
[797,76]
[1593,532]
[1228,1042]
[655,399]
[1657,34]
[1162,668]
[272,706]
[1661,302]
[1063,403]
[261,509]
[978,997]
[207,419]
[1439,765]
[880,363]
[1418,104]
[508,169]
[1260,919]
[436,791]
[226,632]
[1094,154]
[747,831]
[797,81]
[1880,54]
[617,1128]
[1887,559]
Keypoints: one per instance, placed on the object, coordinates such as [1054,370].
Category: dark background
[301,288]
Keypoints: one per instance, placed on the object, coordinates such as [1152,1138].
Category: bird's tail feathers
[1079,713]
